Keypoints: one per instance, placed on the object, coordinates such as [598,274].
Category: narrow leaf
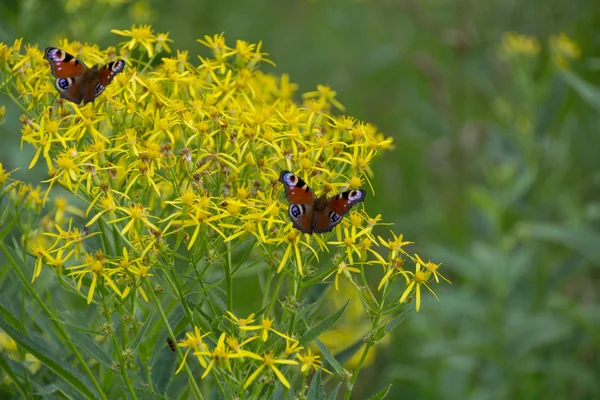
[12,320]
[322,326]
[334,393]
[391,325]
[330,358]
[381,395]
[316,390]
[586,90]
[50,360]
[163,368]
[84,343]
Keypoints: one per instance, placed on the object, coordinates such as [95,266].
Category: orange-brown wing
[108,72]
[301,200]
[64,65]
[69,73]
[337,207]
[102,78]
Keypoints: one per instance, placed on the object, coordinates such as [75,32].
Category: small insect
[312,214]
[171,344]
[75,81]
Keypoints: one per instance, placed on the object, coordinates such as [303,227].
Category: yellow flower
[265,327]
[396,245]
[4,174]
[194,343]
[310,361]
[563,49]
[325,95]
[94,266]
[241,322]
[342,268]
[432,268]
[135,213]
[269,361]
[515,43]
[142,35]
[394,269]
[419,278]
[220,355]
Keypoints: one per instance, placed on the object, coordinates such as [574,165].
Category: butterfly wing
[101,78]
[109,71]
[68,71]
[337,207]
[64,65]
[301,199]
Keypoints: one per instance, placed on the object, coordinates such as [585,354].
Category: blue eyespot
[99,88]
[63,83]
[334,217]
[295,211]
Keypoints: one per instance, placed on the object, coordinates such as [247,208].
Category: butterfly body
[75,81]
[312,214]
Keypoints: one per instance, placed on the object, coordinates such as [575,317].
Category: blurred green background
[496,171]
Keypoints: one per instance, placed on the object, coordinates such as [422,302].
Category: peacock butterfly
[312,214]
[75,81]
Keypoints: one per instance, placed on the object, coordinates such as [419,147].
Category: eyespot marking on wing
[98,89]
[64,83]
[289,178]
[334,217]
[296,210]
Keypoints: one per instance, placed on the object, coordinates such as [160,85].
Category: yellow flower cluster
[516,43]
[178,162]
[562,48]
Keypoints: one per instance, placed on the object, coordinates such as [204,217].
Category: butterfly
[171,344]
[75,81]
[312,214]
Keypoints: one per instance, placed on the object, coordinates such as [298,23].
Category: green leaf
[84,343]
[316,390]
[12,320]
[163,368]
[391,325]
[278,392]
[587,91]
[142,332]
[322,326]
[50,360]
[330,358]
[380,395]
[6,229]
[9,372]
[202,319]
[334,393]
[149,394]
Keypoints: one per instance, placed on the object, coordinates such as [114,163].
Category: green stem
[275,293]
[148,377]
[171,334]
[228,279]
[54,319]
[182,299]
[122,362]
[368,346]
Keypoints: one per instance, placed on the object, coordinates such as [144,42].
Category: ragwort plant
[175,173]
